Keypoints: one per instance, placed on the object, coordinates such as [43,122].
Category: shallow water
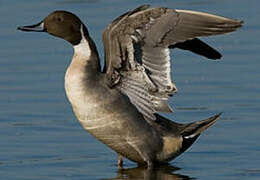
[41,139]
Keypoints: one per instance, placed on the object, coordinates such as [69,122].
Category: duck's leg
[120,161]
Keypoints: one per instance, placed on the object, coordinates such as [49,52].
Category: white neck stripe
[82,49]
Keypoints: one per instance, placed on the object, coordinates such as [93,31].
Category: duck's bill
[39,27]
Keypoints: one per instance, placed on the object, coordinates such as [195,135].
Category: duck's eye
[59,19]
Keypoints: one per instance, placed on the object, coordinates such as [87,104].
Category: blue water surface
[40,137]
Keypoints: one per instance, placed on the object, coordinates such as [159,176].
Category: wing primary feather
[198,47]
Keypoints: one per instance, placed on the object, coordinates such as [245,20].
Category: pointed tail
[191,131]
[195,128]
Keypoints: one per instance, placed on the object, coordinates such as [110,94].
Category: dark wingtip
[198,47]
[214,56]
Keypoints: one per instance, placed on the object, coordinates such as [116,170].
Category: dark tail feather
[199,47]
[186,143]
[195,128]
[191,131]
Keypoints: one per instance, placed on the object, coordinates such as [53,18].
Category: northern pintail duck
[119,105]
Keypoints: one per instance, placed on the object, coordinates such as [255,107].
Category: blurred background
[40,138]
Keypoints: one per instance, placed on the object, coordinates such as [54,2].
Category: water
[41,139]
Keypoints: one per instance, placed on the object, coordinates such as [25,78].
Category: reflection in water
[165,172]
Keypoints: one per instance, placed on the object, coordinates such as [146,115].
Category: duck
[121,105]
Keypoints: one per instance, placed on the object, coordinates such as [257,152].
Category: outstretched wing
[137,55]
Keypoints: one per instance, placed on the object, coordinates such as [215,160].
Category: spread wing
[137,55]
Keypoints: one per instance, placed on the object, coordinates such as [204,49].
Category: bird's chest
[82,97]
[91,102]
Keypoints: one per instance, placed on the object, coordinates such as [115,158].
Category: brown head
[61,24]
